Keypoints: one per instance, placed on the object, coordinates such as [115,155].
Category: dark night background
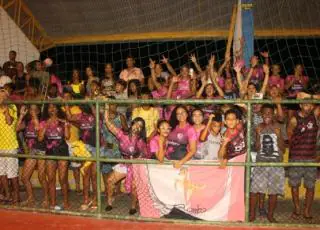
[286,52]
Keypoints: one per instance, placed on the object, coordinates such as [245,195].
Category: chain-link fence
[74,158]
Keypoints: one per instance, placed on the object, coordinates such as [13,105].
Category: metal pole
[248,165]
[98,157]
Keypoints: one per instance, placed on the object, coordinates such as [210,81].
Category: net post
[248,164]
[98,156]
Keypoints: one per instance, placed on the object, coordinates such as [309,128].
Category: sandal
[85,207]
[132,211]
[108,208]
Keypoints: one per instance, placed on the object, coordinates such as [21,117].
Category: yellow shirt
[74,131]
[8,134]
[150,116]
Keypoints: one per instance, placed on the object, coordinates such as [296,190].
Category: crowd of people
[175,132]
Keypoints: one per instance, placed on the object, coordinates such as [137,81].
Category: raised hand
[211,116]
[237,68]
[152,63]
[193,58]
[23,110]
[265,69]
[164,60]
[212,60]
[175,79]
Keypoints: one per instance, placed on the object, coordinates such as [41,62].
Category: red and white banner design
[205,192]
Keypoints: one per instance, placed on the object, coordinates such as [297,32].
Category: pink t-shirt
[154,147]
[134,73]
[183,90]
[297,86]
[131,147]
[54,134]
[182,137]
[276,81]
[160,93]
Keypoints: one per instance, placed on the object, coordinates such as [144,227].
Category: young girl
[275,78]
[183,138]
[197,120]
[29,121]
[211,138]
[132,145]
[159,144]
[108,82]
[54,132]
[90,77]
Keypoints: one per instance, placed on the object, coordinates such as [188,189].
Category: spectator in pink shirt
[275,78]
[131,72]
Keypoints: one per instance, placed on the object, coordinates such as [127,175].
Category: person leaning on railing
[302,133]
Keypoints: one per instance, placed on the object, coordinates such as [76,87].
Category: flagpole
[231,29]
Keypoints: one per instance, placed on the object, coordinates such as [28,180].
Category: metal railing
[248,164]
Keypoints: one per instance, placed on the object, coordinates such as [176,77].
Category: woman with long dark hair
[29,123]
[54,131]
[132,144]
[183,138]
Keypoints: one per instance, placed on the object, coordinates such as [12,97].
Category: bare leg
[5,184]
[93,177]
[272,206]
[113,178]
[15,189]
[76,175]
[42,176]
[86,185]
[296,202]
[308,203]
[63,180]
[28,169]
[51,172]
[253,202]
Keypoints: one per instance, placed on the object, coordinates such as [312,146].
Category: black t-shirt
[20,82]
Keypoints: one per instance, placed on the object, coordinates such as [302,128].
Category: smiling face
[182,114]
[275,69]
[209,90]
[231,121]
[306,109]
[215,127]
[267,115]
[52,110]
[164,129]
[184,71]
[137,127]
[197,117]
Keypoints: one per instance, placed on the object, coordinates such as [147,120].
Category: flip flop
[295,215]
[85,207]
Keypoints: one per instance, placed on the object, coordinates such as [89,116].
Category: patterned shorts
[9,166]
[268,180]
[309,175]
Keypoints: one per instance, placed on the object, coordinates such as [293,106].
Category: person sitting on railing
[55,131]
[29,122]
[233,143]
[86,123]
[183,137]
[132,145]
[270,148]
[302,133]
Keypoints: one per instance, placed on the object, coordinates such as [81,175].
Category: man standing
[9,67]
[302,135]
